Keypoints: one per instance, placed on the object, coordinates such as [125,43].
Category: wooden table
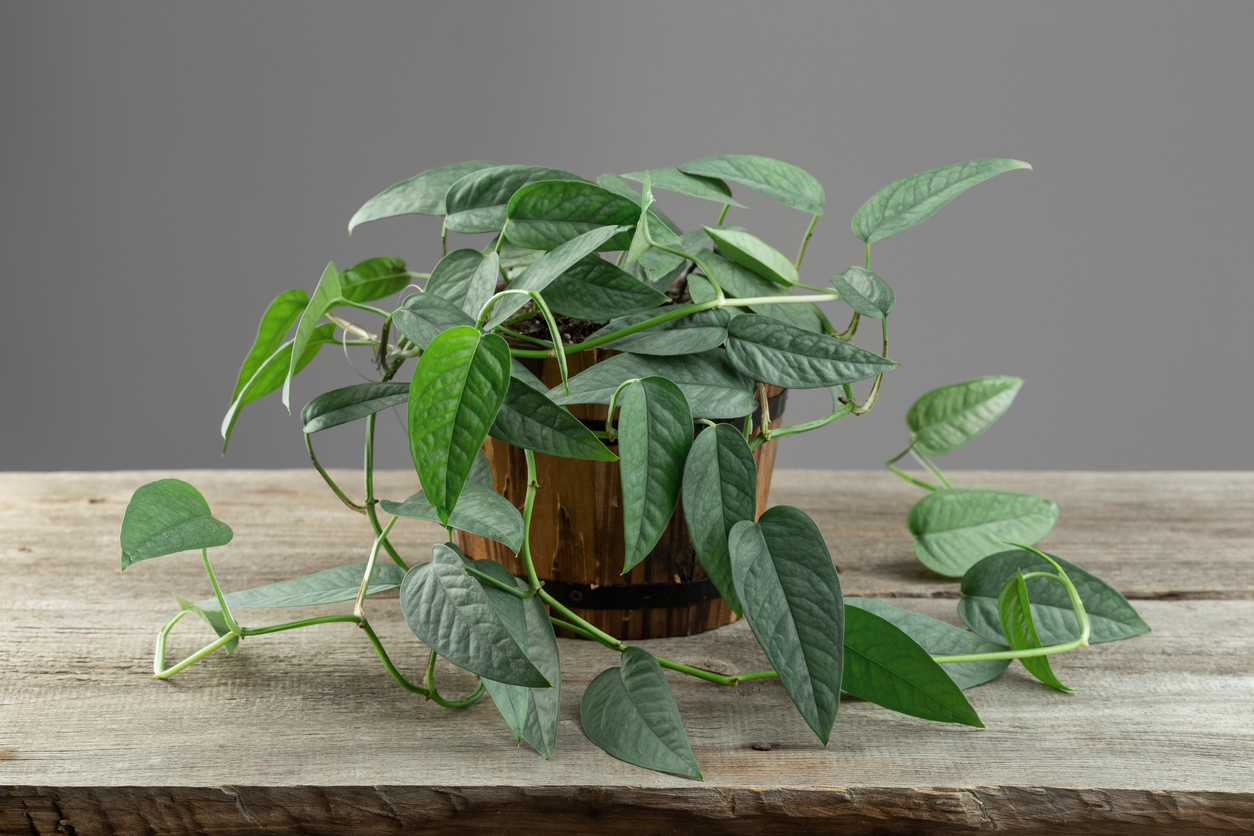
[303,732]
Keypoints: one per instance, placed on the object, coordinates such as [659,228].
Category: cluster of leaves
[704,320]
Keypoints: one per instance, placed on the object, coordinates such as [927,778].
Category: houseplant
[704,322]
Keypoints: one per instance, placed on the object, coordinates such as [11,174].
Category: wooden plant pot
[577,534]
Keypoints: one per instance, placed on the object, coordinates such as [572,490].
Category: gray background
[169,168]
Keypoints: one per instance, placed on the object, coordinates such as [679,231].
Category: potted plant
[593,407]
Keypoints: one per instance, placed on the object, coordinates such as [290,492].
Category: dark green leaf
[271,374]
[596,290]
[422,194]
[548,213]
[885,666]
[531,713]
[713,388]
[166,517]
[754,255]
[720,490]
[791,597]
[512,256]
[456,391]
[342,406]
[912,200]
[655,431]
[865,292]
[466,278]
[777,180]
[278,319]
[373,279]
[694,185]
[325,296]
[1015,611]
[476,202]
[480,472]
[774,352]
[214,619]
[326,587]
[944,419]
[954,528]
[640,242]
[941,639]
[693,334]
[480,511]
[523,375]
[528,419]
[741,283]
[631,714]
[450,613]
[547,268]
[425,316]
[1110,615]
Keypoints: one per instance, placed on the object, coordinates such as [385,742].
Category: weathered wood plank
[304,732]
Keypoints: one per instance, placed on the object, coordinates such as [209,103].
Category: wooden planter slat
[303,732]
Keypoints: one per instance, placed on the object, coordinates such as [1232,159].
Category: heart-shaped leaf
[477,202]
[777,180]
[545,214]
[655,433]
[885,666]
[865,292]
[326,587]
[278,319]
[528,419]
[596,290]
[545,270]
[912,200]
[425,316]
[373,279]
[944,419]
[325,297]
[480,472]
[457,389]
[694,185]
[741,283]
[754,254]
[774,352]
[630,713]
[1110,615]
[271,374]
[166,517]
[531,713]
[1015,611]
[791,597]
[954,528]
[720,490]
[214,619]
[422,194]
[939,638]
[466,278]
[480,511]
[343,406]
[449,612]
[713,388]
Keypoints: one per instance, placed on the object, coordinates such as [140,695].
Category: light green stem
[374,552]
[217,591]
[362,307]
[888,463]
[722,214]
[158,659]
[806,240]
[370,503]
[195,657]
[926,462]
[434,695]
[529,503]
[326,477]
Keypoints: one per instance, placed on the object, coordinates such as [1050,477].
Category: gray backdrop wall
[169,168]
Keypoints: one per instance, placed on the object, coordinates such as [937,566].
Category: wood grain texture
[303,732]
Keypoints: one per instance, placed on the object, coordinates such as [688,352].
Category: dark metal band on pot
[636,596]
[776,404]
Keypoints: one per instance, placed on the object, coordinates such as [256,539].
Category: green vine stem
[217,591]
[806,240]
[326,477]
[370,503]
[434,695]
[374,552]
[529,503]
[888,463]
